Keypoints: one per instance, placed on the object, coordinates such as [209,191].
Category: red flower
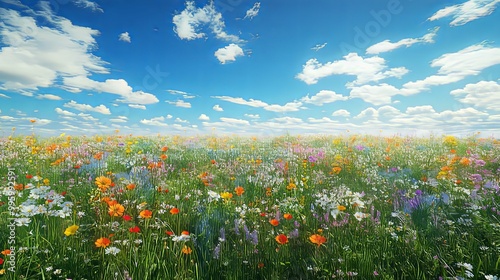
[127,217]
[281,239]
[1,261]
[135,229]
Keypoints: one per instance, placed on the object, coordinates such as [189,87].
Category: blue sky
[250,68]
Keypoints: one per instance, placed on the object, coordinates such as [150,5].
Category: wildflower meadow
[231,207]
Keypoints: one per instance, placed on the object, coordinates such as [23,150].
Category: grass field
[288,207]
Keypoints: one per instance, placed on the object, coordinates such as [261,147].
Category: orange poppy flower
[274,222]
[239,190]
[317,239]
[130,187]
[6,252]
[102,242]
[281,239]
[288,216]
[146,214]
[174,211]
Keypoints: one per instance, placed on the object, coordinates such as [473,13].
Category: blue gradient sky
[251,68]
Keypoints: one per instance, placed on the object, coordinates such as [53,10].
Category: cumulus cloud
[324,97]
[156,121]
[187,24]
[228,53]
[387,46]
[102,109]
[484,94]
[180,103]
[217,108]
[119,87]
[51,52]
[125,37]
[203,117]
[64,112]
[466,12]
[341,113]
[366,70]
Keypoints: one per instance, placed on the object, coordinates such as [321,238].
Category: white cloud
[252,116]
[323,97]
[233,121]
[466,12]
[485,94]
[102,109]
[169,117]
[387,46]
[119,87]
[15,3]
[184,95]
[341,113]
[64,112]
[318,47]
[288,107]
[125,37]
[179,120]
[87,117]
[253,12]
[217,108]
[119,119]
[454,67]
[51,52]
[180,103]
[157,121]
[365,69]
[137,106]
[89,4]
[4,96]
[188,22]
[48,96]
[376,94]
[203,117]
[228,53]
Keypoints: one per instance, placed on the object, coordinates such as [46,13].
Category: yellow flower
[71,230]
[291,186]
[341,207]
[226,195]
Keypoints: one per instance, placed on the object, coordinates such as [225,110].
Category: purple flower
[312,159]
